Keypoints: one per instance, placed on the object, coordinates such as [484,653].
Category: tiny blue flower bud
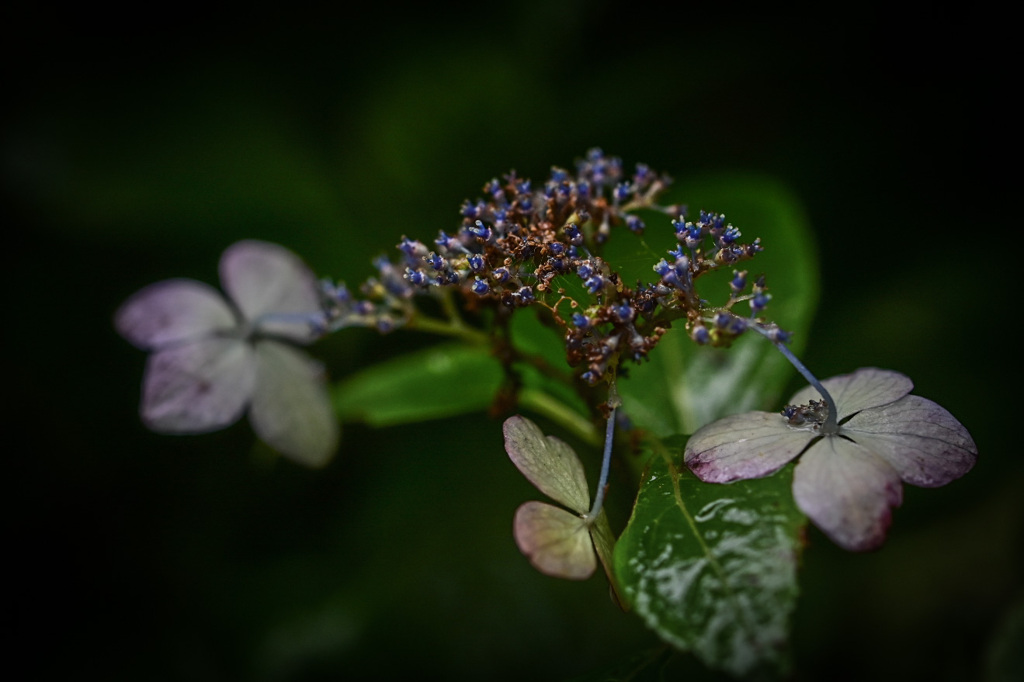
[634,224]
[623,312]
[580,320]
[477,262]
[493,189]
[480,287]
[759,302]
[448,243]
[701,335]
[574,235]
[436,261]
[730,235]
[480,230]
[595,284]
[501,274]
[694,235]
[412,248]
[339,293]
[739,282]
[416,277]
[584,271]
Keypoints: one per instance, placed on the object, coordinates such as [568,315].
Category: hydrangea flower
[846,481]
[556,541]
[560,542]
[212,358]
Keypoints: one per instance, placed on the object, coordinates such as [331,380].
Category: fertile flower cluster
[523,245]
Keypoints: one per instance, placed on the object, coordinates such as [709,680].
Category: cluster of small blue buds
[522,244]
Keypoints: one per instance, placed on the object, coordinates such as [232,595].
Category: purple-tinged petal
[173,311]
[860,390]
[919,438]
[848,492]
[741,446]
[557,542]
[548,463]
[291,410]
[272,287]
[197,387]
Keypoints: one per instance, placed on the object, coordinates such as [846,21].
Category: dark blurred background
[136,154]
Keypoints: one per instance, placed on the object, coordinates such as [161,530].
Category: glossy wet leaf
[712,568]
[442,381]
[685,386]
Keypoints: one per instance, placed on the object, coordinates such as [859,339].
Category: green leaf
[712,568]
[442,381]
[532,337]
[685,386]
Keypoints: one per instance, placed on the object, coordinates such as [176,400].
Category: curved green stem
[561,414]
[453,328]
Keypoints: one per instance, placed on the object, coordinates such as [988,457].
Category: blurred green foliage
[129,157]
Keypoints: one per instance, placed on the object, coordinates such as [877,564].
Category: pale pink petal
[272,287]
[291,410]
[556,541]
[548,463]
[868,387]
[172,311]
[848,492]
[741,446]
[197,387]
[919,438]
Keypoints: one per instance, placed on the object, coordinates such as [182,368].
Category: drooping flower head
[849,476]
[214,357]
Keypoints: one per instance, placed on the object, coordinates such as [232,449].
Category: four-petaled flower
[847,482]
[213,357]
[556,540]
[559,542]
